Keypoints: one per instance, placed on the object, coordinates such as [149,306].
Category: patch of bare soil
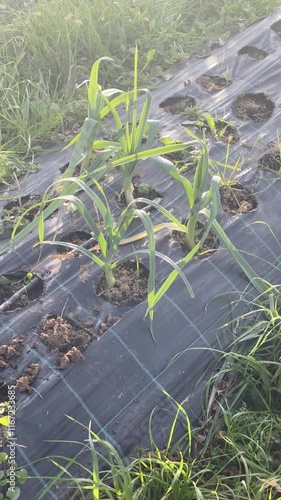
[65,338]
[29,375]
[10,352]
[271,161]
[235,199]
[177,104]
[30,290]
[213,83]
[209,246]
[256,107]
[130,286]
[253,52]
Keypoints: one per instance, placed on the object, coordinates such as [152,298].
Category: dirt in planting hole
[272,161]
[77,169]
[253,52]
[225,132]
[29,375]
[256,107]
[236,199]
[65,338]
[183,160]
[10,352]
[31,290]
[276,27]
[13,209]
[130,285]
[140,191]
[75,237]
[177,104]
[209,246]
[213,83]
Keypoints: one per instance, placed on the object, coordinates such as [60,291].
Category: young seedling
[222,169]
[194,113]
[218,128]
[184,159]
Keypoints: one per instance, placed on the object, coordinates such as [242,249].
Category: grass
[233,454]
[48,47]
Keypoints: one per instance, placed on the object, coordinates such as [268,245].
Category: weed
[19,212]
[12,167]
[11,477]
[218,128]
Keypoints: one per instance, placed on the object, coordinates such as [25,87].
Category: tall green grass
[234,454]
[47,48]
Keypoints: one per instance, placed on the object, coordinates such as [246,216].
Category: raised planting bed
[74,340]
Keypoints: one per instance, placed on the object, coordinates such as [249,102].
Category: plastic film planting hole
[253,52]
[177,104]
[256,107]
[213,83]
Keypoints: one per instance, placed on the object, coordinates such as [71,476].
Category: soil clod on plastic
[65,338]
[131,279]
[256,107]
[253,52]
[236,199]
[10,352]
[29,375]
[177,104]
[213,83]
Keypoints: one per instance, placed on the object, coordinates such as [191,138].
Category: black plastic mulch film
[124,374]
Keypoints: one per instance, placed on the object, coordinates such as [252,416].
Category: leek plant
[109,240]
[205,203]
[129,148]
[125,153]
